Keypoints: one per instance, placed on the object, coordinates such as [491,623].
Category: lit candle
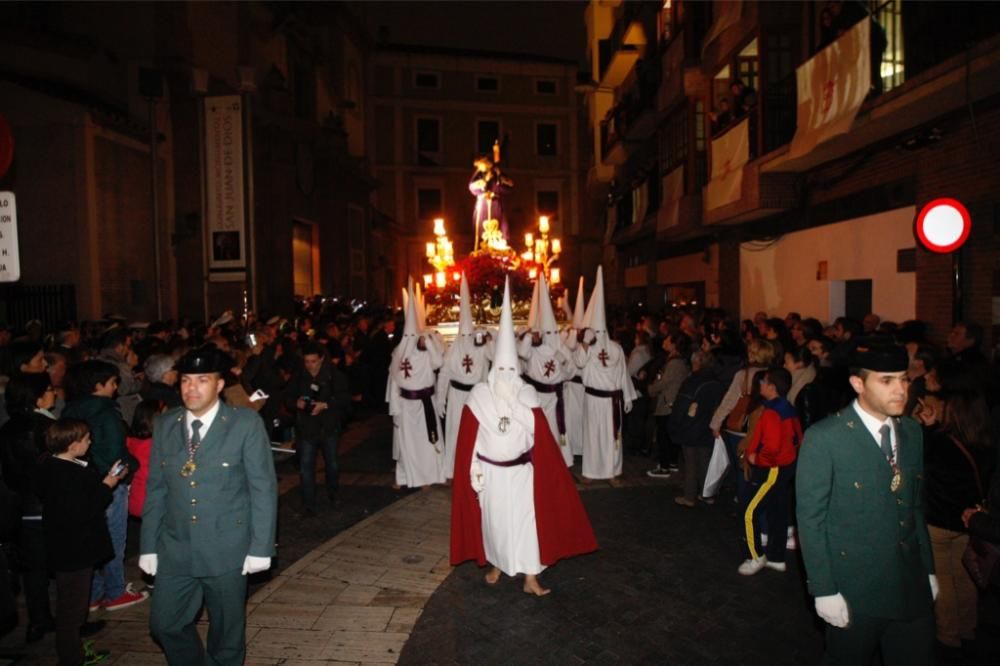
[430,250]
[529,256]
[539,248]
[456,276]
[439,280]
[428,278]
[555,276]
[533,273]
[439,226]
[529,239]
[556,246]
[543,224]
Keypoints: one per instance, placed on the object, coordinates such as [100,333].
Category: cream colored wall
[782,277]
[693,268]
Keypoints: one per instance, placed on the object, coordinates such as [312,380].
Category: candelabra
[542,251]
[441,255]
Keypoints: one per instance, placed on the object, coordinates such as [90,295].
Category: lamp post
[248,85]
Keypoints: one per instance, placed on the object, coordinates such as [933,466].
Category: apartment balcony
[960,81]
[618,54]
[678,81]
[761,195]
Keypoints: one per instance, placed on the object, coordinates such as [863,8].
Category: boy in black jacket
[76,532]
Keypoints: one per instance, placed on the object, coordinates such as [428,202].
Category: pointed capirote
[578,306]
[546,317]
[595,319]
[505,354]
[418,295]
[410,326]
[465,323]
[533,310]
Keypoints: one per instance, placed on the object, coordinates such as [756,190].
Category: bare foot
[396,486]
[615,482]
[493,576]
[532,586]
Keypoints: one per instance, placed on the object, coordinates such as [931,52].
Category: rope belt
[522,459]
[461,387]
[430,418]
[617,407]
[558,390]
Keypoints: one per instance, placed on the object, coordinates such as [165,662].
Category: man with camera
[322,397]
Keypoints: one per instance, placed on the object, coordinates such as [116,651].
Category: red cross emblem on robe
[550,367]
[467,364]
[406,366]
[828,88]
[603,356]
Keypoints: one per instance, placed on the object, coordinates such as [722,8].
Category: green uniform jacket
[858,537]
[206,524]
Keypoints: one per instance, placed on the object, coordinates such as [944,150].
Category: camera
[118,469]
[307,403]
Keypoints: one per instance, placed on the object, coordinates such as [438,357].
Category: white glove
[254,564]
[148,563]
[476,477]
[833,609]
[628,406]
[934,586]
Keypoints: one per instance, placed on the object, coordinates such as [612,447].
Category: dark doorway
[857,298]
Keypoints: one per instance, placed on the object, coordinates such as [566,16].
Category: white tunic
[419,462]
[466,364]
[603,367]
[573,397]
[507,497]
[547,365]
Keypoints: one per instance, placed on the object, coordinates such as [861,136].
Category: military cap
[879,356]
[204,360]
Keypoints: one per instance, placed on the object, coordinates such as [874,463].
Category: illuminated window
[889,15]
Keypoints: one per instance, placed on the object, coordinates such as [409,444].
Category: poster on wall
[226,224]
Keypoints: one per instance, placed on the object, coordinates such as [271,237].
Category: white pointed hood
[578,306]
[410,328]
[546,317]
[533,310]
[421,312]
[595,318]
[505,361]
[465,323]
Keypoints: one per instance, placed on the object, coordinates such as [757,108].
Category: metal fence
[51,304]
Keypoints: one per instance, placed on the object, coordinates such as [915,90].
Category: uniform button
[899,501]
[902,523]
[194,483]
[843,553]
[194,501]
[194,519]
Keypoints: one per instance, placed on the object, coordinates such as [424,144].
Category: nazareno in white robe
[418,461]
[507,495]
[450,399]
[602,451]
[537,366]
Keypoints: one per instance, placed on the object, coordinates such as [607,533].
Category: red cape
[563,526]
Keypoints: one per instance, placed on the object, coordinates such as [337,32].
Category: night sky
[554,29]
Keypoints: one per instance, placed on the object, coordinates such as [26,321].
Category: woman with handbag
[731,416]
[958,458]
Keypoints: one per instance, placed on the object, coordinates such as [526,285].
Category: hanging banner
[832,86]
[226,223]
[10,257]
[730,152]
[673,189]
[727,14]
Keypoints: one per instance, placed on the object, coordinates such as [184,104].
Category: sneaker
[96,605]
[751,567]
[128,598]
[673,467]
[92,656]
[706,500]
[684,501]
[658,472]
[775,566]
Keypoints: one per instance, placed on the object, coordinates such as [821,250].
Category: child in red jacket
[771,452]
[140,443]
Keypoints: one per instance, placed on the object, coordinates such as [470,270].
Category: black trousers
[72,600]
[34,573]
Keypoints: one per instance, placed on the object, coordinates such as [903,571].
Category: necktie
[196,436]
[885,432]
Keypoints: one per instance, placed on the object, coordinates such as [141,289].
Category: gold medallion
[188,468]
[897,481]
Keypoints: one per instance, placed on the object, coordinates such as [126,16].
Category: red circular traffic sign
[943,225]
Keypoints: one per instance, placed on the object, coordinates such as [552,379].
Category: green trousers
[901,642]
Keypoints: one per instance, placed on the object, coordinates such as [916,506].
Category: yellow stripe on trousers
[772,476]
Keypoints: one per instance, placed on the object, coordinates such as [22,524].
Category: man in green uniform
[861,519]
[209,517]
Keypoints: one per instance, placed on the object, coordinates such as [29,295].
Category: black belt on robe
[558,390]
[462,387]
[430,418]
[522,459]
[576,380]
[617,408]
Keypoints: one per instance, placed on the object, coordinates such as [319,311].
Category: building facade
[434,111]
[88,89]
[797,188]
